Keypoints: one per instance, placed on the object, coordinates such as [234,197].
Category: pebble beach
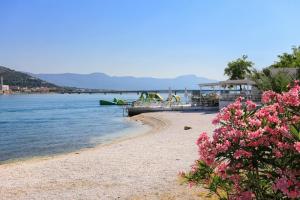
[143,166]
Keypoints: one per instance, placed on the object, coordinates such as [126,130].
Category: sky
[157,38]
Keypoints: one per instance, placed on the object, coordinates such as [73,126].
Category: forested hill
[15,78]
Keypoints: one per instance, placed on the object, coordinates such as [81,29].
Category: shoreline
[143,166]
[147,126]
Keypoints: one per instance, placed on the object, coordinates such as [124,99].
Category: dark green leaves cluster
[279,81]
[267,79]
[239,69]
[289,60]
[205,176]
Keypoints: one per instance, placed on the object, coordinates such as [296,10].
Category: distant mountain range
[98,81]
[16,78]
[104,81]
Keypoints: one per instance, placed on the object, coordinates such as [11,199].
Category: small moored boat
[115,102]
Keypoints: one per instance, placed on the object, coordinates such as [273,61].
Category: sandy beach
[139,167]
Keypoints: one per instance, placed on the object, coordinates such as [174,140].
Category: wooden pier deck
[135,110]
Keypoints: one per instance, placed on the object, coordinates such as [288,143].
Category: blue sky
[159,38]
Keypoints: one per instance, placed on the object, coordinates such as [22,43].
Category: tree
[279,81]
[289,60]
[239,69]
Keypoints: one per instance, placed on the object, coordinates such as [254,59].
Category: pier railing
[233,97]
[207,100]
[155,104]
[214,100]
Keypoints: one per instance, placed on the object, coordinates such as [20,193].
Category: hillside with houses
[15,81]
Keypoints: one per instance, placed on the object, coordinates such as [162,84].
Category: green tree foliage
[289,60]
[239,69]
[15,78]
[278,82]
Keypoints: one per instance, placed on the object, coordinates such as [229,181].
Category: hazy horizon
[121,75]
[160,39]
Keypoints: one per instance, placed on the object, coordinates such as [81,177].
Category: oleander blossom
[250,105]
[297,146]
[254,153]
[242,153]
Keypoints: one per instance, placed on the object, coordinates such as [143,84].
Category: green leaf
[295,132]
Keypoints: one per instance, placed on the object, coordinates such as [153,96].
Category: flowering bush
[254,152]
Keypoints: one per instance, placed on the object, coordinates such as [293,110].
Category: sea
[33,125]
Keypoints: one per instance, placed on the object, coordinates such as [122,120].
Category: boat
[106,103]
[115,102]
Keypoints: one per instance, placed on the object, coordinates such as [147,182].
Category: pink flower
[283,145]
[281,184]
[291,97]
[221,170]
[239,113]
[206,152]
[242,153]
[236,179]
[215,121]
[255,122]
[268,96]
[297,146]
[194,167]
[224,115]
[202,138]
[255,134]
[285,185]
[191,184]
[247,195]
[277,153]
[272,119]
[262,113]
[222,147]
[293,194]
[295,119]
[250,105]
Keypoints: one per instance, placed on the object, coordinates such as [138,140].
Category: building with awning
[223,93]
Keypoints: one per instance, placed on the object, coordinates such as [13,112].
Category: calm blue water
[45,124]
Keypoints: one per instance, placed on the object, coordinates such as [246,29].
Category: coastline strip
[145,165]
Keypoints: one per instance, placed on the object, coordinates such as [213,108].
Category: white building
[226,92]
[3,88]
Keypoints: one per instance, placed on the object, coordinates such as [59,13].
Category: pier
[99,91]
[131,111]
